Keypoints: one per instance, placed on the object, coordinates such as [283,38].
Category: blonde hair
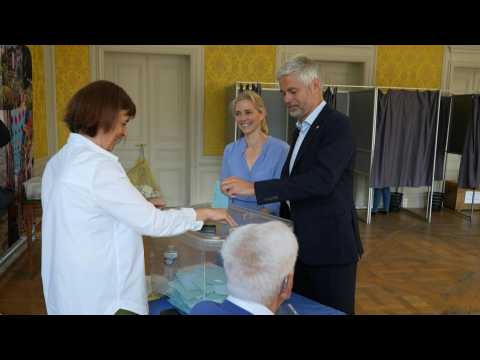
[257,102]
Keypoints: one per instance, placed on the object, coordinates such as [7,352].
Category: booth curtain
[405,138]
[330,97]
[469,173]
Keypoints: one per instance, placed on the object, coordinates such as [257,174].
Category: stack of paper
[195,284]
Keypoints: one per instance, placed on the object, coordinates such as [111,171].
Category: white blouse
[92,227]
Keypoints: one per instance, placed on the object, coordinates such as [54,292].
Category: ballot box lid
[213,234]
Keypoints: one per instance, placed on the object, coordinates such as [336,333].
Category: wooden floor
[409,267]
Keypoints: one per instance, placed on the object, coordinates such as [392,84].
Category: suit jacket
[213,308]
[320,192]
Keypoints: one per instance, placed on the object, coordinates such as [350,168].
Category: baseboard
[414,201]
[411,200]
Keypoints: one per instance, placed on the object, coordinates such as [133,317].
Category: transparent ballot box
[188,267]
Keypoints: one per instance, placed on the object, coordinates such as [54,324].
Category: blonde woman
[255,156]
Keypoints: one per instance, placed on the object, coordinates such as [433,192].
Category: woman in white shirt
[94,218]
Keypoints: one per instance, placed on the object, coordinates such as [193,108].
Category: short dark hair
[96,106]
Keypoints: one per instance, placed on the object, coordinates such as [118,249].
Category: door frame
[458,56]
[365,54]
[195,118]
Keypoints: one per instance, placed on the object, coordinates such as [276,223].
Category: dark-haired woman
[94,218]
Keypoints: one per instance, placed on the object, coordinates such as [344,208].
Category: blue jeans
[377,194]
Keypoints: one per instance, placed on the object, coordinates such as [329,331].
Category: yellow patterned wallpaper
[72,71]
[223,66]
[40,139]
[409,66]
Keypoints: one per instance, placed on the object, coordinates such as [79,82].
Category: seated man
[259,261]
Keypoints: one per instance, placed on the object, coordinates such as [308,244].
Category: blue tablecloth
[301,304]
[306,306]
[155,307]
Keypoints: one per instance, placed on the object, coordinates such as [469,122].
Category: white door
[159,85]
[341,73]
[476,82]
[465,80]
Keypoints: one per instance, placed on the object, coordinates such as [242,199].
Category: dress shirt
[303,127]
[92,227]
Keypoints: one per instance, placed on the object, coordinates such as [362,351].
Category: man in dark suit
[317,183]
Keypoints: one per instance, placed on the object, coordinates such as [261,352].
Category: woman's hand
[206,214]
[158,202]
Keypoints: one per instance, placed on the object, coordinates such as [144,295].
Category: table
[301,304]
[455,197]
[29,208]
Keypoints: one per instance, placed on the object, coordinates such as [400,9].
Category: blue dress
[268,166]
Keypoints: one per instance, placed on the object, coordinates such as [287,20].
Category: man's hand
[206,214]
[234,186]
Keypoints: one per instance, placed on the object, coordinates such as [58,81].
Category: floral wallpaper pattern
[409,66]
[224,65]
[72,71]
[40,139]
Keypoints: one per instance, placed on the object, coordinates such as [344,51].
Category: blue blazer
[213,308]
[320,191]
